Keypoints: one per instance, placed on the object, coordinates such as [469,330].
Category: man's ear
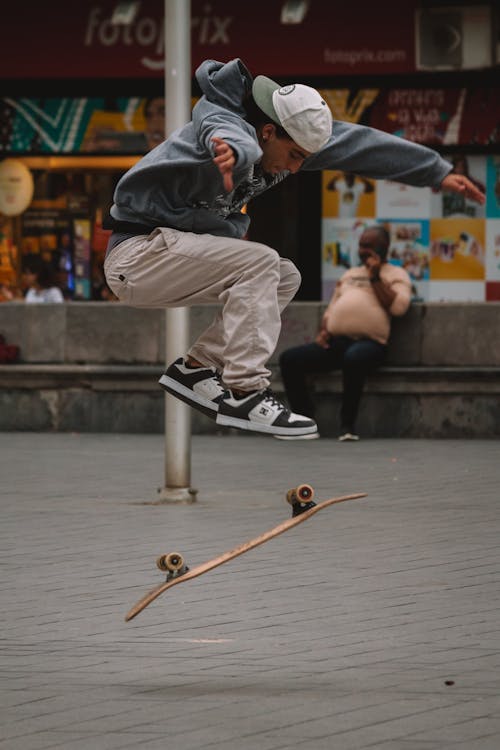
[268,131]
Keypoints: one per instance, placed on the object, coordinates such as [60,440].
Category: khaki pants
[169,268]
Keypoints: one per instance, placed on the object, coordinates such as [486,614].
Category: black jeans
[355,357]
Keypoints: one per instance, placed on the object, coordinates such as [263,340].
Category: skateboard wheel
[304,493]
[173,562]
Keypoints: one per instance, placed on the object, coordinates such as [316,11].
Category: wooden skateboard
[301,500]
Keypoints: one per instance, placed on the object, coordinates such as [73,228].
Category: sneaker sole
[209,408]
[309,436]
[268,429]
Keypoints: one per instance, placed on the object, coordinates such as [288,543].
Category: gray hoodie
[177,184]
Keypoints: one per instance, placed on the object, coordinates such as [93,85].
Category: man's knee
[263,257]
[290,274]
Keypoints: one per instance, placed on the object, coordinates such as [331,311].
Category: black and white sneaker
[261,411]
[200,387]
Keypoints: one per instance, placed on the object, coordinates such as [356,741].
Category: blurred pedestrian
[38,278]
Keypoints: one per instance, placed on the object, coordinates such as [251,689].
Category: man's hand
[373,263]
[225,161]
[457,183]
[323,337]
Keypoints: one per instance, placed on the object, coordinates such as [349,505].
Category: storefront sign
[134,125]
[332,39]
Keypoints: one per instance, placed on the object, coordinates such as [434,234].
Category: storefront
[83,100]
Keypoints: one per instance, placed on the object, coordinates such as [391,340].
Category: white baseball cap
[299,109]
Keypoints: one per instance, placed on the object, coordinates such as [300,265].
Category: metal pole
[177,113]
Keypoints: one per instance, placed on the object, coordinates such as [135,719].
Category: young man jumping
[178,226]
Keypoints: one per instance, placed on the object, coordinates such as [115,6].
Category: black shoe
[347,435]
[261,411]
[200,387]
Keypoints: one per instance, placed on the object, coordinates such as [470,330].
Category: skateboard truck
[301,499]
[173,563]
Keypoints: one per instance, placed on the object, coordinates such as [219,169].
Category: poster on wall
[438,116]
[493,260]
[398,201]
[124,125]
[457,249]
[449,246]
[409,249]
[493,187]
[456,291]
[449,205]
[347,196]
[135,125]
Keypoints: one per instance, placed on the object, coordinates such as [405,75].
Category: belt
[126,227]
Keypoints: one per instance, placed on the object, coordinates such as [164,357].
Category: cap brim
[263,89]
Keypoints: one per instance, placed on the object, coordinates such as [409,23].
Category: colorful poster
[430,116]
[124,125]
[134,125]
[398,201]
[457,249]
[493,187]
[409,248]
[456,291]
[493,250]
[347,196]
[449,246]
[450,205]
[444,116]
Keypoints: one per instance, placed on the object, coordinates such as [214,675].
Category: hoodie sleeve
[210,120]
[378,155]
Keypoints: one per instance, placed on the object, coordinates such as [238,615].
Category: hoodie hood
[225,84]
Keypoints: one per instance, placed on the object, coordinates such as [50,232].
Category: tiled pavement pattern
[339,635]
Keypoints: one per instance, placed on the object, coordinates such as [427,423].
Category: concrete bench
[95,366]
[411,401]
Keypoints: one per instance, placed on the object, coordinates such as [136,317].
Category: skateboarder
[178,228]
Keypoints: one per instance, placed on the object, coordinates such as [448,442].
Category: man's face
[280,154]
[368,242]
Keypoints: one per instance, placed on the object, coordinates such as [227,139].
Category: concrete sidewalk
[341,634]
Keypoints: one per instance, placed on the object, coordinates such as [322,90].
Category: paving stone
[341,634]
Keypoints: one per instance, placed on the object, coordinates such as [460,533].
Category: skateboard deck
[298,497]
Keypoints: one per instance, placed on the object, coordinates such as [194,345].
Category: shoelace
[270,396]
[218,379]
